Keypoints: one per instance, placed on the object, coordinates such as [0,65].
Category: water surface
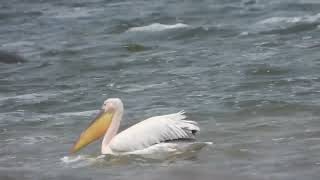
[246,70]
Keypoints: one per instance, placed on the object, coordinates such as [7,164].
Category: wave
[70,13]
[285,24]
[80,160]
[31,140]
[81,113]
[290,20]
[156,27]
[29,98]
[161,153]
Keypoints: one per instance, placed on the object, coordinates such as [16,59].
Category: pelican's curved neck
[112,131]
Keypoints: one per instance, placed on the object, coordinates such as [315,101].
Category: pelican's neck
[112,131]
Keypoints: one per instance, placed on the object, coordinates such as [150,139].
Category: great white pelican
[156,132]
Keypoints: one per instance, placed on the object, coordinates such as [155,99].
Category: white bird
[152,134]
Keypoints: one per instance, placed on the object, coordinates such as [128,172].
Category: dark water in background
[247,71]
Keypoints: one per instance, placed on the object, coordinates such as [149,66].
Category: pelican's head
[112,104]
[99,126]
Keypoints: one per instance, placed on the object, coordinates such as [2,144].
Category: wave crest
[156,27]
[280,24]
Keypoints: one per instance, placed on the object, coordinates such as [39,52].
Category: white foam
[156,27]
[81,160]
[81,113]
[29,98]
[77,12]
[136,87]
[291,20]
[280,23]
[18,44]
[30,140]
[72,159]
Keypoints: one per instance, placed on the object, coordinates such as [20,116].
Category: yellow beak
[96,129]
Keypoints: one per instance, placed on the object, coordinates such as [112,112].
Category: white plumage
[154,130]
[154,135]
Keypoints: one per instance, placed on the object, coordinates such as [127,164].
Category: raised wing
[153,131]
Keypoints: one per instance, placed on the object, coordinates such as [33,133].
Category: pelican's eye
[104,105]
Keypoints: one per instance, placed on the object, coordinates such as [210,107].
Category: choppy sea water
[248,71]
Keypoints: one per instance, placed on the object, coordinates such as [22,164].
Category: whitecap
[156,27]
[29,98]
[18,44]
[136,87]
[81,113]
[31,140]
[77,12]
[290,20]
[282,23]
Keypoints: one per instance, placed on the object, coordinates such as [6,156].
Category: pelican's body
[152,134]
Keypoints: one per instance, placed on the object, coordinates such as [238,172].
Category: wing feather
[154,131]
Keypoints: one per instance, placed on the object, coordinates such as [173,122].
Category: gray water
[248,71]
